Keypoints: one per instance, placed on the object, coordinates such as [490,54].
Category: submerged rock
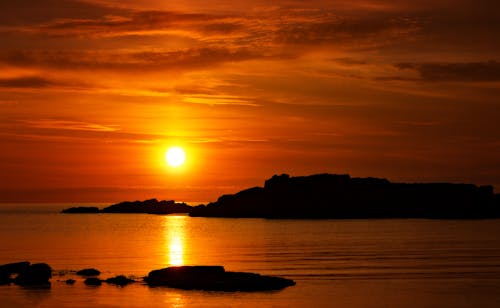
[88,272]
[70,281]
[120,280]
[93,281]
[214,278]
[35,274]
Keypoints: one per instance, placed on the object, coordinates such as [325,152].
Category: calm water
[336,263]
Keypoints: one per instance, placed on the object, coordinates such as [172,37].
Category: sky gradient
[93,92]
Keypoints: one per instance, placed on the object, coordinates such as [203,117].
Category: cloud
[223,27]
[348,61]
[131,21]
[213,100]
[32,12]
[26,82]
[42,83]
[465,71]
[342,29]
[127,61]
[71,125]
[276,27]
[139,23]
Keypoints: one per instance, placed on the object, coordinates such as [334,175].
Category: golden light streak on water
[176,240]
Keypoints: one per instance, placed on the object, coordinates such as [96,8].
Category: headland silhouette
[341,196]
[323,196]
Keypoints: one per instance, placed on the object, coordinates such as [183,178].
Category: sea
[335,263]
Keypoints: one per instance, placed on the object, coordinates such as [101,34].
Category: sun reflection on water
[175,251]
[174,234]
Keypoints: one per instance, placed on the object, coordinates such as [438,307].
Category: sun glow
[175,156]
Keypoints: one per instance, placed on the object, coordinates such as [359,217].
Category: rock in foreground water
[35,274]
[214,278]
[120,280]
[88,272]
[93,281]
[6,270]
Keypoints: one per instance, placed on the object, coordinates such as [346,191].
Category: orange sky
[93,92]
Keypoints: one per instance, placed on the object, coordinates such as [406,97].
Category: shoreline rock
[93,281]
[119,280]
[88,272]
[208,278]
[214,278]
[9,269]
[34,274]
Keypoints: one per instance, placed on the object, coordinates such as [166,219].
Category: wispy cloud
[71,125]
[219,100]
[26,82]
[35,12]
[464,71]
[136,22]
[126,61]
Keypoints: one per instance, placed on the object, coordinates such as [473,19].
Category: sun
[175,156]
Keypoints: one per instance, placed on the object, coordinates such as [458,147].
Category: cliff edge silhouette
[343,197]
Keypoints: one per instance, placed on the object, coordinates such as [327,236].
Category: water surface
[336,263]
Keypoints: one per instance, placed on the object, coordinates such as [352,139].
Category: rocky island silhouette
[151,206]
[334,196]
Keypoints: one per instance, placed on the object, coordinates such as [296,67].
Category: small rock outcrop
[214,278]
[119,280]
[93,281]
[35,274]
[7,270]
[209,278]
[14,268]
[88,272]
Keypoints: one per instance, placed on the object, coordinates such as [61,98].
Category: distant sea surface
[336,263]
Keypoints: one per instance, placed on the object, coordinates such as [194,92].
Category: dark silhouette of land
[332,196]
[340,196]
[151,206]
[81,210]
